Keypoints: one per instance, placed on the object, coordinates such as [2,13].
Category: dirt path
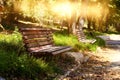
[104,64]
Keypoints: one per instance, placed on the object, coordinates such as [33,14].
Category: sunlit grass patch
[10,42]
[62,38]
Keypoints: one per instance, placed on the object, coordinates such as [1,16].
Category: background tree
[99,15]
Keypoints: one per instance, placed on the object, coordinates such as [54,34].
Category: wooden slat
[54,48]
[61,51]
[37,36]
[38,40]
[38,44]
[34,28]
[36,32]
[37,49]
[51,49]
[28,24]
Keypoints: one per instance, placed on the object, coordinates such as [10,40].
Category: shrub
[24,67]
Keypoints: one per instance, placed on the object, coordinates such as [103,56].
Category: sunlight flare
[63,9]
[94,11]
[39,9]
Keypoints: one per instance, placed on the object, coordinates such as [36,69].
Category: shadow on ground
[94,70]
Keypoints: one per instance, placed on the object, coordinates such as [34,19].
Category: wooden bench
[39,41]
[82,38]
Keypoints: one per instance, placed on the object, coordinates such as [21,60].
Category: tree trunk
[93,25]
[89,24]
[74,28]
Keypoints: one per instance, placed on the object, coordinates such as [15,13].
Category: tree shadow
[93,69]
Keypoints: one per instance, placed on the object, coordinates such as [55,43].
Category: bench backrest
[36,37]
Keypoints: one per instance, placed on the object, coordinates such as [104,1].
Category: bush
[24,67]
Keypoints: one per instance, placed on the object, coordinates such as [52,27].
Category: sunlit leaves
[63,9]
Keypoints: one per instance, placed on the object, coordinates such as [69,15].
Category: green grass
[62,38]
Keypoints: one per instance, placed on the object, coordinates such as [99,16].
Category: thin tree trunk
[89,24]
[74,28]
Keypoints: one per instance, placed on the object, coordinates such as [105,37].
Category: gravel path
[104,64]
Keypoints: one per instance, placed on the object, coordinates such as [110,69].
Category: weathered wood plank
[36,32]
[53,49]
[37,36]
[34,28]
[38,40]
[37,44]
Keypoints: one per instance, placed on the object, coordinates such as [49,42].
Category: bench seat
[39,40]
[53,50]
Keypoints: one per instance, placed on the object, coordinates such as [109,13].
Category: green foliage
[22,66]
[100,42]
[10,42]
[12,65]
[92,34]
